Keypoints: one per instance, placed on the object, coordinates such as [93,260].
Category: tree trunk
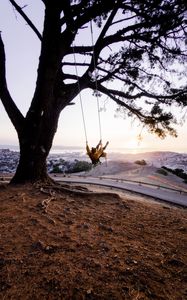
[35,143]
[32,166]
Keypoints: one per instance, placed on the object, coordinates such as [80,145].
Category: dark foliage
[71,167]
[178,172]
[162,172]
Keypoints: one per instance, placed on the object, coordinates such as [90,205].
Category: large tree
[138,45]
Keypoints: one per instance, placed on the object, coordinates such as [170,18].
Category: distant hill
[157,159]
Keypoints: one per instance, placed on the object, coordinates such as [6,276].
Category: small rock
[105,227]
[175,263]
[104,246]
[88,292]
[183,229]
[85,225]
[68,222]
[50,249]
[66,209]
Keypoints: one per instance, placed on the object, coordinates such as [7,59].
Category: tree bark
[32,166]
[35,143]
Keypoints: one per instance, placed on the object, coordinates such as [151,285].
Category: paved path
[171,196]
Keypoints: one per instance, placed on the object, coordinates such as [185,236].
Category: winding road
[173,196]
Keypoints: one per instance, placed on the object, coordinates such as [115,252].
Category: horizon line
[136,150]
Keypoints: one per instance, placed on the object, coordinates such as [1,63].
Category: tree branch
[68,17]
[112,95]
[160,98]
[75,64]
[80,49]
[121,94]
[96,47]
[9,105]
[122,20]
[92,12]
[156,122]
[29,22]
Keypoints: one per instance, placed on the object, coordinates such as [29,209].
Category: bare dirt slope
[143,173]
[56,244]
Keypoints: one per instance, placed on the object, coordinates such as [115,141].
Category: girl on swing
[96,152]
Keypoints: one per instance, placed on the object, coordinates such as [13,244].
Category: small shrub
[162,172]
[178,172]
[56,169]
[140,162]
[80,166]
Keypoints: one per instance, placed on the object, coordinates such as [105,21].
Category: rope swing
[96,83]
[95,153]
[80,96]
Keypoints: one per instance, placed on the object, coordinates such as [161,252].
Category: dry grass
[58,244]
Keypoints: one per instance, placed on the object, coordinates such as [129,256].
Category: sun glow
[135,144]
[132,144]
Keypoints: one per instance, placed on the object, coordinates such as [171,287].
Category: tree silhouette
[138,45]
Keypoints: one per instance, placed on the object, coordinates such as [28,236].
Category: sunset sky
[22,51]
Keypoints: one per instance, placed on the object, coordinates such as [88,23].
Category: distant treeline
[64,166]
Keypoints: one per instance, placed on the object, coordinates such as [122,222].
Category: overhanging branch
[80,49]
[114,97]
[29,22]
[157,123]
[9,105]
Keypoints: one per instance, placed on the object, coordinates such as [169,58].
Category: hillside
[130,170]
[65,159]
[74,243]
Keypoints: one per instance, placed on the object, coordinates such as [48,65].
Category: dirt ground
[80,244]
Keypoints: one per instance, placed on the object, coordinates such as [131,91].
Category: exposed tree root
[75,190]
[45,203]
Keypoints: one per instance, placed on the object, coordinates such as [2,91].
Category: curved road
[171,196]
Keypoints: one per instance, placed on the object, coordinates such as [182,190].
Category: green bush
[56,169]
[80,166]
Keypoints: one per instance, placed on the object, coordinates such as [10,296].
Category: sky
[22,48]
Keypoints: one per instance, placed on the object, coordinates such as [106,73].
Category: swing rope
[80,96]
[96,88]
[96,83]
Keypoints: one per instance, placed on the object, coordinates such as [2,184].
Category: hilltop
[73,243]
